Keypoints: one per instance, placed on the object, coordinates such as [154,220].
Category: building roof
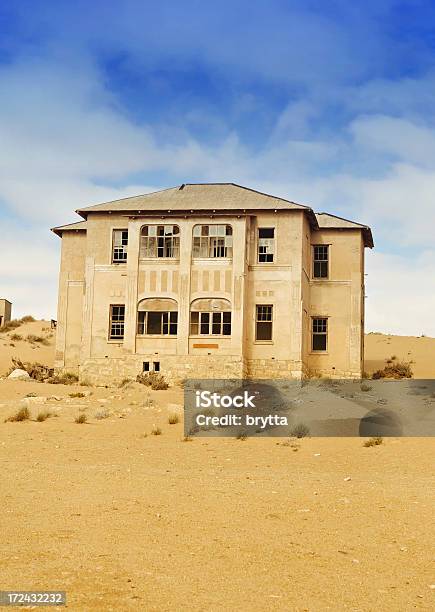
[198,196]
[79,226]
[328,221]
[215,197]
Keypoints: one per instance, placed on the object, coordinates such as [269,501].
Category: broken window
[266,244]
[320,260]
[116,323]
[157,317]
[210,317]
[263,322]
[120,244]
[319,334]
[160,241]
[212,241]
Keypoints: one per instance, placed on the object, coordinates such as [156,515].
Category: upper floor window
[266,244]
[212,241]
[320,261]
[263,322]
[319,340]
[119,246]
[116,322]
[157,317]
[210,317]
[160,241]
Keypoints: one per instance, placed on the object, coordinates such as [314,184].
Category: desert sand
[125,520]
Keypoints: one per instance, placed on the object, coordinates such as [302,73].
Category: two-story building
[210,281]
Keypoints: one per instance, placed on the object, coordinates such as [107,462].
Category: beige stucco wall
[90,283]
[5,311]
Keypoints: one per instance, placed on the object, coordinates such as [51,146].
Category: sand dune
[419,350]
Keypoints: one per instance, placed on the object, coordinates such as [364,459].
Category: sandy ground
[419,350]
[125,520]
[25,350]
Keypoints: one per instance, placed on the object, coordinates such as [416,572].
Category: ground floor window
[263,322]
[210,323]
[157,323]
[116,323]
[319,340]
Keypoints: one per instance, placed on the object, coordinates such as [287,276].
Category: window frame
[259,246]
[205,241]
[123,247]
[320,261]
[320,333]
[173,239]
[257,321]
[111,336]
[210,315]
[171,320]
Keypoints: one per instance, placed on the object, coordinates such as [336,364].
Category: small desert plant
[373,441]
[31,394]
[152,379]
[43,415]
[35,370]
[187,439]
[16,337]
[156,431]
[77,394]
[401,369]
[124,382]
[23,414]
[81,418]
[300,431]
[102,414]
[173,419]
[242,435]
[13,324]
[66,378]
[85,383]
[27,319]
[36,339]
[365,387]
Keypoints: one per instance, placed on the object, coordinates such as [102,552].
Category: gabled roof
[199,196]
[328,221]
[79,226]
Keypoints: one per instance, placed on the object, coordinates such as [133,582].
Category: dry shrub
[37,339]
[156,431]
[35,370]
[365,387]
[81,418]
[77,394]
[125,382]
[66,378]
[152,379]
[23,414]
[27,319]
[173,419]
[300,431]
[43,415]
[373,441]
[401,369]
[10,325]
[16,337]
[102,414]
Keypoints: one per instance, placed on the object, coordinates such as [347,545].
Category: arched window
[210,317]
[157,316]
[160,241]
[212,241]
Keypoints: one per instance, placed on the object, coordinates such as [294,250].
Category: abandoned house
[5,311]
[210,281]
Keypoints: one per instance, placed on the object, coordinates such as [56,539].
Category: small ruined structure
[5,311]
[211,281]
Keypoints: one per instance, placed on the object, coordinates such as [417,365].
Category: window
[212,241]
[157,317]
[146,366]
[116,324]
[210,317]
[156,366]
[320,334]
[119,247]
[160,241]
[266,244]
[320,260]
[263,322]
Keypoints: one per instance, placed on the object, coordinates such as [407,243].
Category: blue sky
[330,104]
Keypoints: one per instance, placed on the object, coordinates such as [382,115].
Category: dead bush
[80,419]
[77,394]
[125,382]
[27,319]
[156,431]
[35,370]
[23,414]
[373,441]
[365,387]
[300,431]
[173,419]
[66,378]
[10,325]
[43,415]
[16,337]
[152,379]
[401,369]
[33,339]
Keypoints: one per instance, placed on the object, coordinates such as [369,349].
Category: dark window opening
[266,244]
[320,334]
[210,323]
[157,323]
[156,366]
[320,261]
[146,366]
[263,322]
